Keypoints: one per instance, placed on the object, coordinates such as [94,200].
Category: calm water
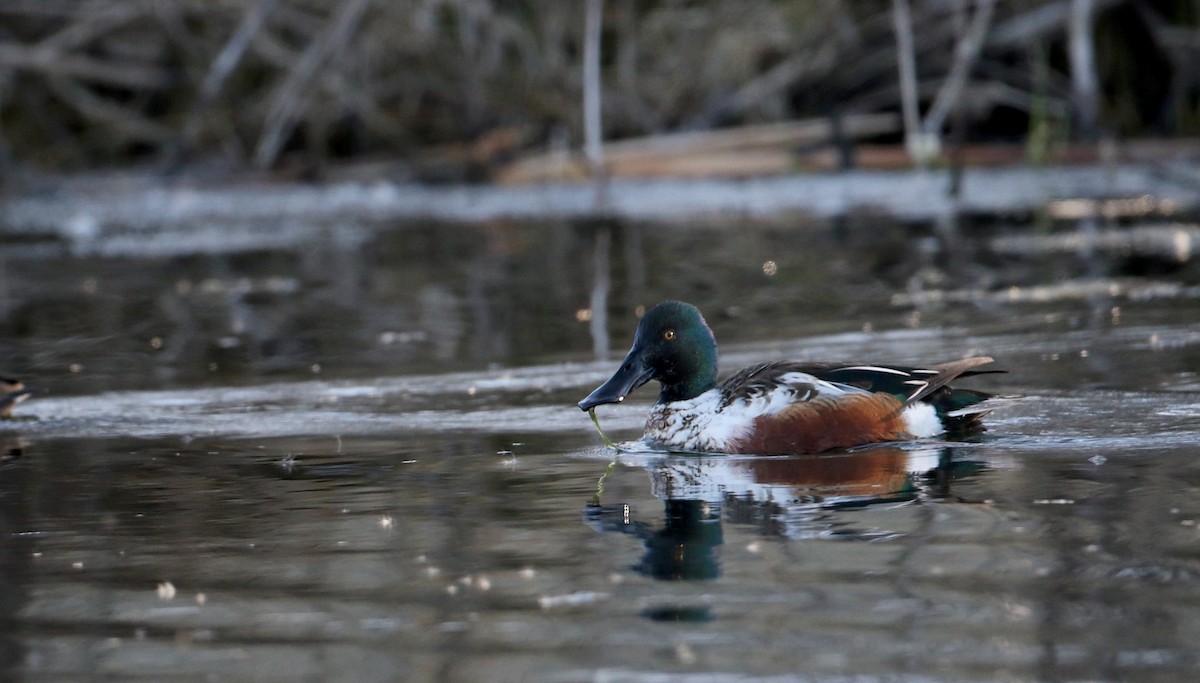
[362,462]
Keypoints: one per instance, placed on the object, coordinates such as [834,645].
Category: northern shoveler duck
[781,408]
[12,392]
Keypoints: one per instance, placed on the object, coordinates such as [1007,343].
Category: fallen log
[729,152]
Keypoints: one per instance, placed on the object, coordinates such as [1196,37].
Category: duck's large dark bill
[632,374]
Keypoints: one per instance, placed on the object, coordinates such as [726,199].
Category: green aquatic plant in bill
[607,441]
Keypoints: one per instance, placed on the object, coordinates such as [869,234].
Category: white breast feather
[700,424]
[696,424]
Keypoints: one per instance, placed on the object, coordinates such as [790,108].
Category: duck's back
[790,408]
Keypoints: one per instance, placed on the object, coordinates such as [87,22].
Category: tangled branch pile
[97,82]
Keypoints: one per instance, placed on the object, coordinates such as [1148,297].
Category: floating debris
[1144,205]
[1069,290]
[572,599]
[1177,242]
[685,654]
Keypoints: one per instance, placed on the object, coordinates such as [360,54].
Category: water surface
[362,461]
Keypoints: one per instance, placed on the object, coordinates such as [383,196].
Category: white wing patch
[794,387]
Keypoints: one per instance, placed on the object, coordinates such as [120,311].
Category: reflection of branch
[593,133]
[600,287]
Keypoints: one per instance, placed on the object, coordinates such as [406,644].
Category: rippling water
[364,463]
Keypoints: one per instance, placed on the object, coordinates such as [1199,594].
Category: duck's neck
[691,384]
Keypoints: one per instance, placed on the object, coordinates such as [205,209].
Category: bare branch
[289,102]
[964,58]
[1085,83]
[52,63]
[121,119]
[226,61]
[906,58]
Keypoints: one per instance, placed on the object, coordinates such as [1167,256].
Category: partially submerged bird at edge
[12,392]
[783,407]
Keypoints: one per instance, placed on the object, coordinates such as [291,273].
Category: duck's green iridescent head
[674,346]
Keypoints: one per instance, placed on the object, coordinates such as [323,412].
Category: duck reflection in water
[684,549]
[794,497]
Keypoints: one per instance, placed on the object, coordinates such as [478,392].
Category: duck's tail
[961,410]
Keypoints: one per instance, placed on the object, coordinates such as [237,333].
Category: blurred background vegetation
[455,90]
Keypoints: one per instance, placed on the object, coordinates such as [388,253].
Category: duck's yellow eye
[669,335]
